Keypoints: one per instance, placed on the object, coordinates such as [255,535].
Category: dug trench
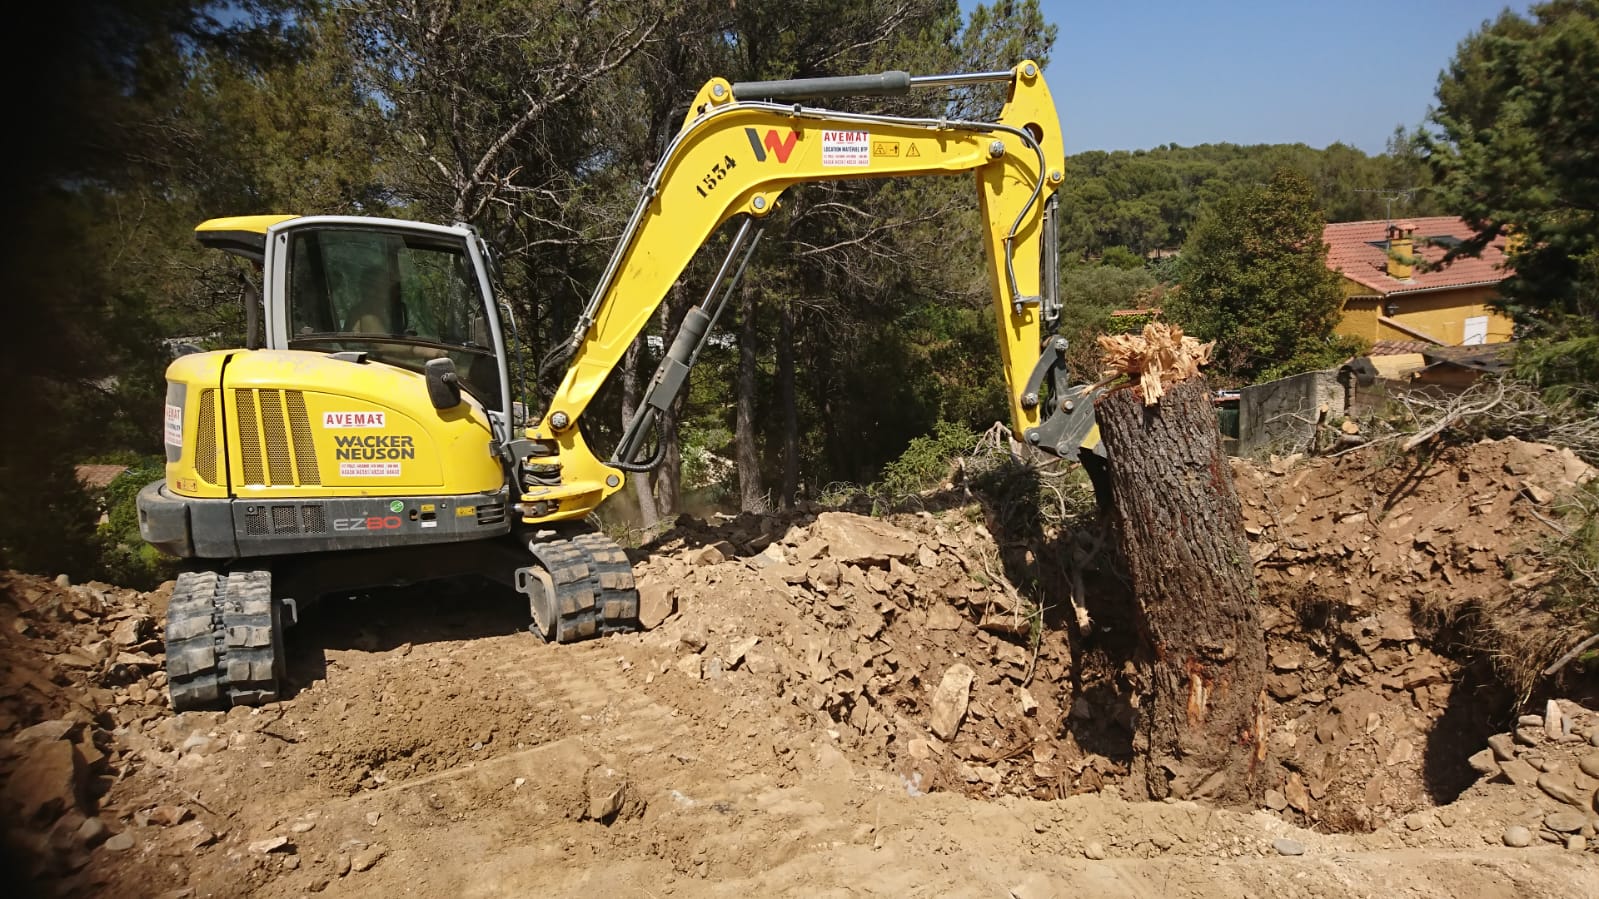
[832,704]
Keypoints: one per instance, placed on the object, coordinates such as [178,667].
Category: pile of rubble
[1550,763]
[83,664]
[903,640]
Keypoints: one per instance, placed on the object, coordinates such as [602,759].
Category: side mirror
[444,385]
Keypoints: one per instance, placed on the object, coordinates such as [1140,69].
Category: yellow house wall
[1441,315]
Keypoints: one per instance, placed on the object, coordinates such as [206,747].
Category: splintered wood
[1159,358]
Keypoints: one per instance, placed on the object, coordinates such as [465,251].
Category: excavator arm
[740,147]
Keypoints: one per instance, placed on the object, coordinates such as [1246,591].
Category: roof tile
[1350,251]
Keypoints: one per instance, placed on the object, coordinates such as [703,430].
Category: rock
[1028,704]
[1552,726]
[925,557]
[1285,846]
[194,835]
[1081,709]
[863,541]
[341,865]
[656,603]
[950,700]
[318,883]
[1589,764]
[72,660]
[1564,822]
[770,556]
[1275,800]
[1418,820]
[292,863]
[692,665]
[1094,851]
[48,782]
[1296,794]
[270,844]
[366,858]
[1563,789]
[1577,842]
[605,791]
[1518,772]
[132,631]
[736,653]
[1517,836]
[63,581]
[302,827]
[121,842]
[92,831]
[1483,762]
[709,555]
[1503,746]
[168,815]
[372,818]
[943,617]
[1593,736]
[44,731]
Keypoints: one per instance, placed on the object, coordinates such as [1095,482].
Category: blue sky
[1133,75]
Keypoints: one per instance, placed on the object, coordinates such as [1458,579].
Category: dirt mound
[821,698]
[1381,579]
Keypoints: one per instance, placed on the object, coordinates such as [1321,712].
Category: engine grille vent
[490,513]
[205,440]
[263,521]
[275,445]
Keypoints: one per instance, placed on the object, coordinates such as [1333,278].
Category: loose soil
[834,705]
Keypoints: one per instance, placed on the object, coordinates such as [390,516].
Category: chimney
[1401,264]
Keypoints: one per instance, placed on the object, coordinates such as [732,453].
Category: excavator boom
[740,147]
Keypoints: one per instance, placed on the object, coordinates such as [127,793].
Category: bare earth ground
[774,735]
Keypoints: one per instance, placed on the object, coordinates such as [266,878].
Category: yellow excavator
[367,435]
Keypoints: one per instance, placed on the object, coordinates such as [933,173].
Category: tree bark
[632,387]
[786,395]
[1200,730]
[752,496]
[669,477]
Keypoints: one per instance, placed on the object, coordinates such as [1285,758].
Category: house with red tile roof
[1396,290]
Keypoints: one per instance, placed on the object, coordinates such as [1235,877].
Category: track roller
[224,640]
[580,588]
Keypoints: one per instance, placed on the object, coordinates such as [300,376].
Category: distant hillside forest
[863,321]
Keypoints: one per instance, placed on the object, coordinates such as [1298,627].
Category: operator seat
[374,313]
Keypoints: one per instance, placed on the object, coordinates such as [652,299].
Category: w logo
[780,146]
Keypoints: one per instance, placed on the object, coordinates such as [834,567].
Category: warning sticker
[886,148]
[369,469]
[353,420]
[174,428]
[846,148]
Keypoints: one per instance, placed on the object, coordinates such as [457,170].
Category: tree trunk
[1201,720]
[752,496]
[786,395]
[669,477]
[632,386]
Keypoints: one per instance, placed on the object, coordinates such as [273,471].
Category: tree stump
[1201,720]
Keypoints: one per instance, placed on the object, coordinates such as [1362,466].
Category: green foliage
[1147,200]
[928,460]
[1121,257]
[124,558]
[1255,280]
[1517,151]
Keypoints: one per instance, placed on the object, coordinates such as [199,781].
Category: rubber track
[192,653]
[612,576]
[576,596]
[594,587]
[224,645]
[252,638]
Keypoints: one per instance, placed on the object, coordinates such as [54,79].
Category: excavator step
[224,640]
